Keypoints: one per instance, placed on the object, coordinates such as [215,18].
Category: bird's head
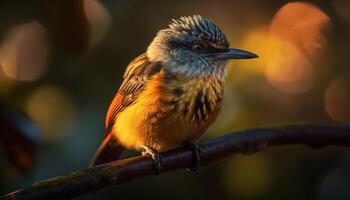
[194,47]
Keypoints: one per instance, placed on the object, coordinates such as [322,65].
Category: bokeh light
[52,109]
[337,99]
[288,47]
[6,85]
[247,177]
[24,52]
[298,28]
[289,70]
[303,25]
[99,20]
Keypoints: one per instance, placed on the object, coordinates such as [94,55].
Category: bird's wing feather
[135,78]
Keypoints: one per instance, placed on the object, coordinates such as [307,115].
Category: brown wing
[135,78]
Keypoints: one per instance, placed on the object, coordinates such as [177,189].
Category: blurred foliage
[20,139]
[61,62]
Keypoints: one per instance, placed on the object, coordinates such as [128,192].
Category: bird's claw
[155,156]
[196,155]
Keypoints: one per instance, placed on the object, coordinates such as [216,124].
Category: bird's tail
[108,151]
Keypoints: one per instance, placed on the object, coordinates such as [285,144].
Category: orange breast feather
[169,112]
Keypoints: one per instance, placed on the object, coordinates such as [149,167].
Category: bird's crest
[200,27]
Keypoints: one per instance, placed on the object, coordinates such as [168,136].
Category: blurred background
[61,62]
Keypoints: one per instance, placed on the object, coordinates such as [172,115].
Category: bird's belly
[162,120]
[152,126]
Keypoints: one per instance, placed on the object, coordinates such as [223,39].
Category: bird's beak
[235,54]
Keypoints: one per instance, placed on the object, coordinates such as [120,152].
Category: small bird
[171,93]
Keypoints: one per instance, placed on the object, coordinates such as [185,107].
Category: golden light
[337,99]
[298,29]
[6,85]
[302,24]
[288,48]
[24,52]
[247,177]
[52,109]
[290,71]
[257,41]
[99,20]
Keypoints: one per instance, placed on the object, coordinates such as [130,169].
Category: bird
[171,93]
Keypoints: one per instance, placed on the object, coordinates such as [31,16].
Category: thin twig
[246,141]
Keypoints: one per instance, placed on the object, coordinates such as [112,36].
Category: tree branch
[246,141]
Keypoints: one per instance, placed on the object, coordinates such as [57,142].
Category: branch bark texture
[245,141]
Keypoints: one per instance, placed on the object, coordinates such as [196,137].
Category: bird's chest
[170,112]
[194,102]
[185,109]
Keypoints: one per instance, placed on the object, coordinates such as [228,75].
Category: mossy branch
[246,141]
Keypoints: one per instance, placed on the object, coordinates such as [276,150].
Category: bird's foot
[155,156]
[196,155]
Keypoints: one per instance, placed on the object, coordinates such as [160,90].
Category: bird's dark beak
[235,54]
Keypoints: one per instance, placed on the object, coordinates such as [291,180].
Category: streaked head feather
[173,47]
[200,27]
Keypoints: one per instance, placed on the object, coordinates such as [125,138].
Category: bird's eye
[197,48]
